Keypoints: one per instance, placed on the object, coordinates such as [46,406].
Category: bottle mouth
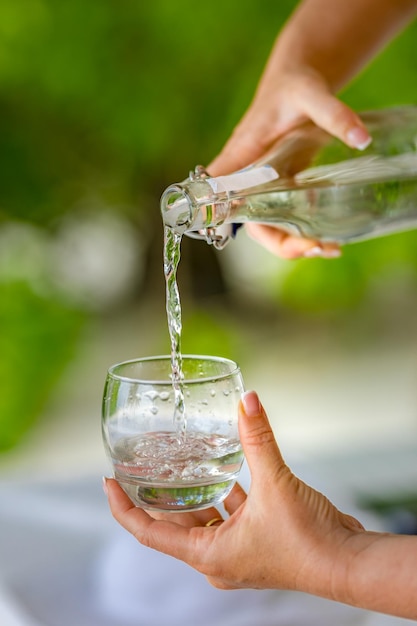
[176,208]
[192,208]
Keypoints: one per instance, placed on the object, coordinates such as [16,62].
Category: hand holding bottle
[323,45]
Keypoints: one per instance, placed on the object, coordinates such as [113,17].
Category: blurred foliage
[118,96]
[341,284]
[204,333]
[40,339]
[106,103]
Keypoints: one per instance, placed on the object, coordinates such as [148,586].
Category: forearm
[337,43]
[375,571]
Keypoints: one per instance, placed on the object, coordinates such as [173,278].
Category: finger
[235,499]
[161,535]
[189,519]
[121,503]
[287,246]
[219,583]
[261,450]
[333,115]
[123,509]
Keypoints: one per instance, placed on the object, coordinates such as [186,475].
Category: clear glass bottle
[310,184]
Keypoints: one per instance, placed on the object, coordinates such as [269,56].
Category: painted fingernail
[104,483]
[358,137]
[251,403]
[312,253]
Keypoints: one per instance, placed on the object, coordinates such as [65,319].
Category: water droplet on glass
[213,393]
[151,394]
[164,395]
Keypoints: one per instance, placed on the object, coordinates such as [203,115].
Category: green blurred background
[102,105]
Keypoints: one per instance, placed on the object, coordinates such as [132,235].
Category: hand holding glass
[159,467]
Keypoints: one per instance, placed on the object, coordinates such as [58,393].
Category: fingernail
[358,137]
[312,253]
[251,403]
[104,482]
[334,253]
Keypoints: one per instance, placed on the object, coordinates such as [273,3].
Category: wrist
[374,571]
[328,571]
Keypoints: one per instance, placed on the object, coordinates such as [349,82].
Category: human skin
[283,534]
[324,44]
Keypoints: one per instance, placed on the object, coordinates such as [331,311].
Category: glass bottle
[310,184]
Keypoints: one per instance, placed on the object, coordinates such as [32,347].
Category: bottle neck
[198,207]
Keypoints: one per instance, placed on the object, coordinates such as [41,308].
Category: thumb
[259,445]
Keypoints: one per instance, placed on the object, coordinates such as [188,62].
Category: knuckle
[340,115]
[260,436]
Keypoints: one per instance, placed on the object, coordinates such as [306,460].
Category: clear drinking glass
[157,465]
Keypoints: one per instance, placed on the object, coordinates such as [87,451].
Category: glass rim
[234,369]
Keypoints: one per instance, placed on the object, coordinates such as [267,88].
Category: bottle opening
[176,208]
[173,198]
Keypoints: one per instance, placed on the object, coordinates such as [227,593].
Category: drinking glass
[159,465]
